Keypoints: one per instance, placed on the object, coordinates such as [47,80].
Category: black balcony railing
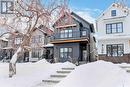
[71,35]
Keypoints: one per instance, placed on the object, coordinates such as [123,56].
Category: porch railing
[73,35]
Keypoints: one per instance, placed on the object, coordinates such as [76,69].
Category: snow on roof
[96,74]
[49,45]
[6,48]
[4,39]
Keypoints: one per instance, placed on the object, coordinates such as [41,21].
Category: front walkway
[55,78]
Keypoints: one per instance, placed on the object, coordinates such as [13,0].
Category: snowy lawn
[97,74]
[29,74]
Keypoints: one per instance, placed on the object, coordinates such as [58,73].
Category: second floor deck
[70,36]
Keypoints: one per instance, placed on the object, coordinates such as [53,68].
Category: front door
[84,55]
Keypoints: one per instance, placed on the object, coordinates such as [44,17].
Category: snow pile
[29,74]
[43,61]
[97,74]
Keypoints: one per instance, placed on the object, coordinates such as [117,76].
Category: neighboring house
[39,45]
[113,27]
[73,42]
[37,48]
[14,42]
[3,44]
[39,41]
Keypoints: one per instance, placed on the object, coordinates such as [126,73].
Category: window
[84,33]
[36,53]
[66,33]
[65,53]
[33,39]
[114,28]
[37,39]
[115,50]
[40,38]
[7,7]
[70,33]
[18,40]
[113,13]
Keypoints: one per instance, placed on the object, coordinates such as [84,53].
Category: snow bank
[65,64]
[43,61]
[97,74]
[29,74]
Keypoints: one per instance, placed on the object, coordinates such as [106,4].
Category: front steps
[59,76]
[51,81]
[127,68]
[68,68]
[55,78]
[63,72]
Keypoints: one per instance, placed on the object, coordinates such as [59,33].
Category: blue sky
[90,9]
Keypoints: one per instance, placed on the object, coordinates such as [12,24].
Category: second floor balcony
[70,36]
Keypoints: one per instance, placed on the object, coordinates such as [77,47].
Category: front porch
[77,53]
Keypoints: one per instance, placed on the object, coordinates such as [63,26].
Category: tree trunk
[12,64]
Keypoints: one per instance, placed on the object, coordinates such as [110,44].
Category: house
[39,46]
[73,41]
[3,44]
[39,41]
[114,34]
[14,41]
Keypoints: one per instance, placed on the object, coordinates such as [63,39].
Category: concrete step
[50,81]
[82,62]
[128,70]
[68,68]
[58,76]
[63,72]
[125,66]
[45,84]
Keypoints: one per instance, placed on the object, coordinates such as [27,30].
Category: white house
[113,27]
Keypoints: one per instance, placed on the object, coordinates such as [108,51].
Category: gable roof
[77,16]
[116,4]
[90,24]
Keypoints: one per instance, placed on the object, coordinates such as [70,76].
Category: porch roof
[6,48]
[49,45]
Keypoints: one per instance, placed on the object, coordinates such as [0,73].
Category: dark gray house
[73,41]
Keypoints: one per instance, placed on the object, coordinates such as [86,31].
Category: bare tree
[27,16]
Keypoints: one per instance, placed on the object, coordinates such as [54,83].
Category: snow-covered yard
[97,74]
[29,74]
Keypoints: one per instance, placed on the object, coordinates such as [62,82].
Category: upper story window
[18,40]
[37,39]
[113,13]
[114,28]
[66,33]
[7,7]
